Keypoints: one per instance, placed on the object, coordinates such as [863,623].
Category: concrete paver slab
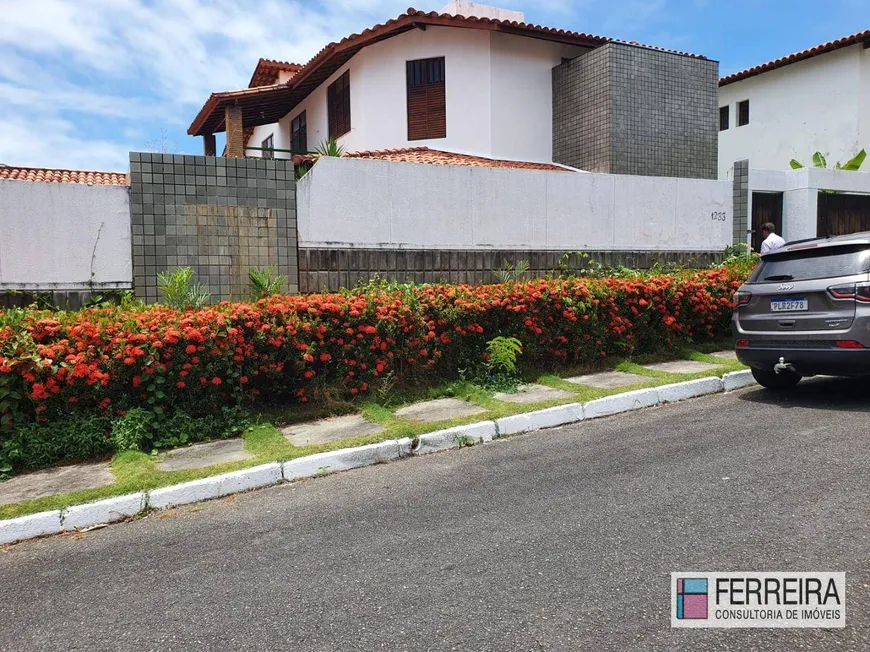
[682,367]
[58,480]
[324,431]
[533,394]
[609,379]
[725,355]
[205,454]
[439,410]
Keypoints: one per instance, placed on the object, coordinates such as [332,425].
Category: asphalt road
[559,540]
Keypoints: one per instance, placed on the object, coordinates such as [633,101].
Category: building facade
[814,100]
[477,80]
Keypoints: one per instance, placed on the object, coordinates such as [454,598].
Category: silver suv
[805,310]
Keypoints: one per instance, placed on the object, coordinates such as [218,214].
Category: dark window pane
[743,113]
[723,118]
[268,148]
[338,106]
[299,133]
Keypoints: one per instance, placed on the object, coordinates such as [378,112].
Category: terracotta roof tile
[436,157]
[49,175]
[268,71]
[830,46]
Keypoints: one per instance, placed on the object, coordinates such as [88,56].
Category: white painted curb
[113,509]
[340,460]
[253,478]
[442,440]
[29,527]
[216,486]
[737,380]
[406,444]
[639,398]
[689,389]
[103,511]
[549,418]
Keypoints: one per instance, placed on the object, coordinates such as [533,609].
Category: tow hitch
[783,366]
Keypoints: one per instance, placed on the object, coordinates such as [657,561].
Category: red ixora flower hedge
[299,348]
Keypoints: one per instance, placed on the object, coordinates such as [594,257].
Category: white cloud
[147,65]
[54,142]
[143,61]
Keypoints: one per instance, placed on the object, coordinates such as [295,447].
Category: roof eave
[412,19]
[810,53]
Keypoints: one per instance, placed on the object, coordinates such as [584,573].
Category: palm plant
[510,273]
[265,282]
[179,290]
[329,148]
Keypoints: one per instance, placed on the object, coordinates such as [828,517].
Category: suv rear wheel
[773,380]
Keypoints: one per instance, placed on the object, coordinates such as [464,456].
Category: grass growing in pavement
[138,471]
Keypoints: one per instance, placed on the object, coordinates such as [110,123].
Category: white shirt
[771,242]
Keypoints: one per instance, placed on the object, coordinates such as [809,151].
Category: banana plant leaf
[855,162]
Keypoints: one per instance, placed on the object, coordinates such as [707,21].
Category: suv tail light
[842,291]
[743,298]
[859,292]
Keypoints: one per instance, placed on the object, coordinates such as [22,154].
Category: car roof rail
[794,242]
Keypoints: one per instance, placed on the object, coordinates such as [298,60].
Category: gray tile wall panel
[740,184]
[219,216]
[627,109]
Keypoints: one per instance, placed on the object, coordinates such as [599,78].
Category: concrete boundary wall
[57,237]
[330,269]
[348,203]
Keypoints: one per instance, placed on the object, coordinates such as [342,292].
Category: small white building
[814,100]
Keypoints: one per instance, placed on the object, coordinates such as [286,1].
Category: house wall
[521,95]
[498,89]
[348,203]
[280,139]
[466,55]
[627,109]
[64,236]
[819,104]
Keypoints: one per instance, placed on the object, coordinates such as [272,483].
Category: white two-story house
[815,100]
[478,80]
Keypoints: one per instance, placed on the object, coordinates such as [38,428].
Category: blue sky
[83,82]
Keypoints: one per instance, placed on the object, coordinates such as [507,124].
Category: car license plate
[788,305]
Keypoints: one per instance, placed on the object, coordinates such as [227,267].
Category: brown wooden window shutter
[427,100]
[338,106]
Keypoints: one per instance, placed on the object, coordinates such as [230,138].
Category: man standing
[771,240]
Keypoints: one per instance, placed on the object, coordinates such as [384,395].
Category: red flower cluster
[300,347]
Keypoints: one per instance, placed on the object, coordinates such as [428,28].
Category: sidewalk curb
[549,418]
[619,403]
[30,526]
[442,440]
[109,510]
[737,380]
[121,507]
